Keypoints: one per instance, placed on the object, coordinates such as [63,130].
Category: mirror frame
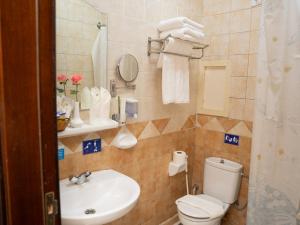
[119,72]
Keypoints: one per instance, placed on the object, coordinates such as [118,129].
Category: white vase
[76,121]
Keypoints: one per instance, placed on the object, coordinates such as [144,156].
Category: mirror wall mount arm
[114,87]
[162,41]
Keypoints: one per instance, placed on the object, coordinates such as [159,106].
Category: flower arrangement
[62,80]
[76,78]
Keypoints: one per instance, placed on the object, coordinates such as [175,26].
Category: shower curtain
[274,188]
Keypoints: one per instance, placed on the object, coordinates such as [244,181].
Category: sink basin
[105,197]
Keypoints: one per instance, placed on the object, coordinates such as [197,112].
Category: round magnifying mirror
[128,68]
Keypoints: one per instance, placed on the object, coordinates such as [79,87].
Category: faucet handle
[73,179]
[88,173]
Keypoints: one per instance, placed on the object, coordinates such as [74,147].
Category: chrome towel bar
[162,41]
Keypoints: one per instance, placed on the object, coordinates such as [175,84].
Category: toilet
[222,179]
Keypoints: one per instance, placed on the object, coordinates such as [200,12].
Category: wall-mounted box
[214,87]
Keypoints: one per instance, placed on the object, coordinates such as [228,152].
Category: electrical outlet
[91,146]
[231,139]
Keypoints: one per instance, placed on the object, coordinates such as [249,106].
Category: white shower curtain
[274,189]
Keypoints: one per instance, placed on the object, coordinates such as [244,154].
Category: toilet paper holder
[178,163]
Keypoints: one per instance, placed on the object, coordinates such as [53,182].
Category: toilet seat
[200,206]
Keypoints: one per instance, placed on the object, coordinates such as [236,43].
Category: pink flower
[76,78]
[62,78]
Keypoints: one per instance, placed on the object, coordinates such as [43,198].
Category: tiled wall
[147,163]
[232,32]
[130,23]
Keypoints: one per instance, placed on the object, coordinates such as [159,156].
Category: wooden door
[27,108]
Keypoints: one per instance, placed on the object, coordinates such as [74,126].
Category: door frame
[27,108]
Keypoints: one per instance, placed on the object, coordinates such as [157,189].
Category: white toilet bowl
[222,179]
[200,210]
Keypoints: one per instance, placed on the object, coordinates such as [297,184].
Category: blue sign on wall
[91,146]
[61,153]
[231,139]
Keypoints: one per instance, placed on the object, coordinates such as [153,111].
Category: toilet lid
[199,207]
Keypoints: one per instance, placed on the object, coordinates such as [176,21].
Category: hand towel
[99,51]
[177,22]
[180,32]
[175,79]
[175,72]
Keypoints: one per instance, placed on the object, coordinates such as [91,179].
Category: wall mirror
[81,46]
[128,68]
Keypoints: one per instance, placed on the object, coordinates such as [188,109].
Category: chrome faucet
[81,178]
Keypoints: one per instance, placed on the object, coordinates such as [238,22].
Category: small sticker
[231,139]
[61,153]
[91,146]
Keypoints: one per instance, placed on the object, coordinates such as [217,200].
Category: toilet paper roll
[179,157]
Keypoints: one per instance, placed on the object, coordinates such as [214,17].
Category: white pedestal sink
[105,197]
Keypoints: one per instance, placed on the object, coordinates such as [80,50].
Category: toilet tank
[222,179]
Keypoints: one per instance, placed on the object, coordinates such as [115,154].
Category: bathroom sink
[105,197]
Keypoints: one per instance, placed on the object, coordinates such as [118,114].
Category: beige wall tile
[214,124]
[216,24]
[239,43]
[255,18]
[237,107]
[252,68]
[254,41]
[239,65]
[212,7]
[238,87]
[149,131]
[249,109]
[135,9]
[218,46]
[240,4]
[251,81]
[241,129]
[240,21]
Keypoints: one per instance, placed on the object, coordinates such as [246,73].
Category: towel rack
[163,40]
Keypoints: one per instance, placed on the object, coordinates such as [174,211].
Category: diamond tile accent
[241,129]
[228,123]
[249,124]
[108,135]
[203,119]
[136,128]
[214,125]
[190,122]
[72,143]
[161,124]
[149,131]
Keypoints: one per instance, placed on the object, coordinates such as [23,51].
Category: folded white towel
[177,22]
[180,32]
[175,73]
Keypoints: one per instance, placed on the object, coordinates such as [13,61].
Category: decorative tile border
[154,128]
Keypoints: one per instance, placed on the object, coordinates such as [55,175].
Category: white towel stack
[175,68]
[183,28]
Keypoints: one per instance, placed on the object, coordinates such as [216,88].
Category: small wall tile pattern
[200,136]
[147,163]
[232,29]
